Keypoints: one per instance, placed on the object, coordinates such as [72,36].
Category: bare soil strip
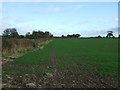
[64,78]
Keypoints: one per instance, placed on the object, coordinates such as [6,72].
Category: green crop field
[72,54]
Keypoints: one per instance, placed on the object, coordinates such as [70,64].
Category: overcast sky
[61,18]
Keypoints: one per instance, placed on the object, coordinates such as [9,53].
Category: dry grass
[12,45]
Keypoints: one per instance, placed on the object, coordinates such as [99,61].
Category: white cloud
[75,7]
[116,19]
[13,19]
[24,29]
[53,9]
[49,9]
[0,23]
[114,29]
[72,7]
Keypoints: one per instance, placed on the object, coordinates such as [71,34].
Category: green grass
[74,53]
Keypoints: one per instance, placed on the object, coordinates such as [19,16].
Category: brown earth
[68,78]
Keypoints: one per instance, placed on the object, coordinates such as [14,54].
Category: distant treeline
[109,35]
[12,33]
[71,36]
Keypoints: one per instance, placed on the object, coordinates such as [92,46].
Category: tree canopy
[10,32]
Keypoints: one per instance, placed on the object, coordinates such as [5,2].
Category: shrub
[13,44]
